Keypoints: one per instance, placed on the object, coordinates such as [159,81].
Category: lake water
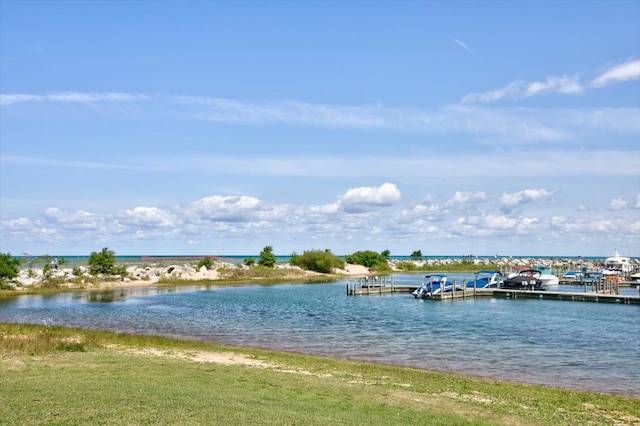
[581,345]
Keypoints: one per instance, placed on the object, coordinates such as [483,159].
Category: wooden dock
[381,286]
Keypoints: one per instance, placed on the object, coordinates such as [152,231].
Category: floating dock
[380,286]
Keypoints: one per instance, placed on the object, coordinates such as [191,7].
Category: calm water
[581,345]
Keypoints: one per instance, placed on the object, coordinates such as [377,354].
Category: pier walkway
[380,286]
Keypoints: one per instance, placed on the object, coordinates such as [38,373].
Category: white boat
[617,265]
[548,278]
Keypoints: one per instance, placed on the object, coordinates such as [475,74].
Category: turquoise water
[581,345]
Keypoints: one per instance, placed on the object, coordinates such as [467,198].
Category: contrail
[464,46]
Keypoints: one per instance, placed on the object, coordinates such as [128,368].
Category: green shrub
[367,258]
[317,260]
[9,267]
[249,261]
[102,263]
[406,266]
[267,258]
[207,262]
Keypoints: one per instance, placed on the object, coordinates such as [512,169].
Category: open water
[580,345]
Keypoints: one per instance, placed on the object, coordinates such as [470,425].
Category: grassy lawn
[55,375]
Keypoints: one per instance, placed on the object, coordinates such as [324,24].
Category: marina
[606,291]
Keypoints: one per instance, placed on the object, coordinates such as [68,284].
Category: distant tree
[385,253]
[103,262]
[317,260]
[249,261]
[416,255]
[9,267]
[267,258]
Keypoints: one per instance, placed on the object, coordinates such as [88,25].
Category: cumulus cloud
[224,208]
[147,217]
[510,201]
[618,204]
[363,198]
[79,220]
[462,197]
[623,72]
[637,204]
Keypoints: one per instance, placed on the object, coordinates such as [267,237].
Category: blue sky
[509,128]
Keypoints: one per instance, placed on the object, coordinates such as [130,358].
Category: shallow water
[582,345]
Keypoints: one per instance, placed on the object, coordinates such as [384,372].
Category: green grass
[55,375]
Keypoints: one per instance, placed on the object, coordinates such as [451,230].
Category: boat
[525,279]
[434,285]
[486,279]
[572,276]
[549,279]
[617,265]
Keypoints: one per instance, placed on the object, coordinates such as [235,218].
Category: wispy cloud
[70,97]
[462,44]
[619,73]
[568,85]
[565,84]
[482,123]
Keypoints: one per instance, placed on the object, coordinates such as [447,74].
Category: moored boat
[617,265]
[486,279]
[434,285]
[525,279]
[548,278]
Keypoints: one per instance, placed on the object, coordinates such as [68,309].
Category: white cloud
[225,208]
[497,222]
[564,84]
[147,217]
[568,85]
[70,97]
[618,204]
[462,197]
[360,199]
[619,73]
[637,204]
[79,220]
[510,201]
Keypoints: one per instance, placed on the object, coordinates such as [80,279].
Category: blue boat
[434,285]
[486,279]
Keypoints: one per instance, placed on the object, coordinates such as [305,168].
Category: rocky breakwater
[80,277]
[509,264]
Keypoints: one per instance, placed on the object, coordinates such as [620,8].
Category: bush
[249,261]
[207,262]
[318,261]
[9,267]
[407,266]
[267,258]
[367,258]
[102,263]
